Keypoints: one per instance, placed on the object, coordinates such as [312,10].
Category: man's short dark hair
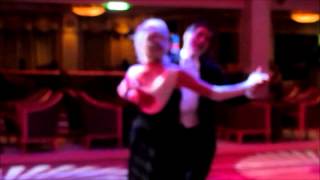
[192,27]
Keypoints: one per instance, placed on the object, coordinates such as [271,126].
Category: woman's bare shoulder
[135,70]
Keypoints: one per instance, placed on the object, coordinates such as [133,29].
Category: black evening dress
[154,144]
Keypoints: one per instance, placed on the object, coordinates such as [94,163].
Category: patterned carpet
[284,161]
[289,165]
[64,172]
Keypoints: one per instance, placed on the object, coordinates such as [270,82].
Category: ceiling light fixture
[117,5]
[88,10]
[305,17]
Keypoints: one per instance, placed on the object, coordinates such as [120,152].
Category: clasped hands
[256,79]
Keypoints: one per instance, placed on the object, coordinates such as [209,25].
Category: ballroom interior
[62,60]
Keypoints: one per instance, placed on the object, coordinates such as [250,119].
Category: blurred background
[86,45]
[61,61]
[38,33]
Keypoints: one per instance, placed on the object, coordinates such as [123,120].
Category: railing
[60,72]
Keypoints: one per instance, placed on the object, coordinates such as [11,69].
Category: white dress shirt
[189,99]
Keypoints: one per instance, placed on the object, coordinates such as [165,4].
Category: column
[256,39]
[70,42]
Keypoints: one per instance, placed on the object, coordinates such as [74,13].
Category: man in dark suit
[199,133]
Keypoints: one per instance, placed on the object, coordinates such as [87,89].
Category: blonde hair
[148,26]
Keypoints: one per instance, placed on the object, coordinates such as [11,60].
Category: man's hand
[140,98]
[257,92]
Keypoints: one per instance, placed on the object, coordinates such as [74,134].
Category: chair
[304,111]
[248,119]
[38,96]
[9,110]
[38,120]
[101,120]
[309,116]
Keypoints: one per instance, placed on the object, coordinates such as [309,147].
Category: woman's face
[156,45]
[152,46]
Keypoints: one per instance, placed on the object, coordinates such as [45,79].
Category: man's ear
[185,37]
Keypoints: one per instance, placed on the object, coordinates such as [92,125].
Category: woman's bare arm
[219,92]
